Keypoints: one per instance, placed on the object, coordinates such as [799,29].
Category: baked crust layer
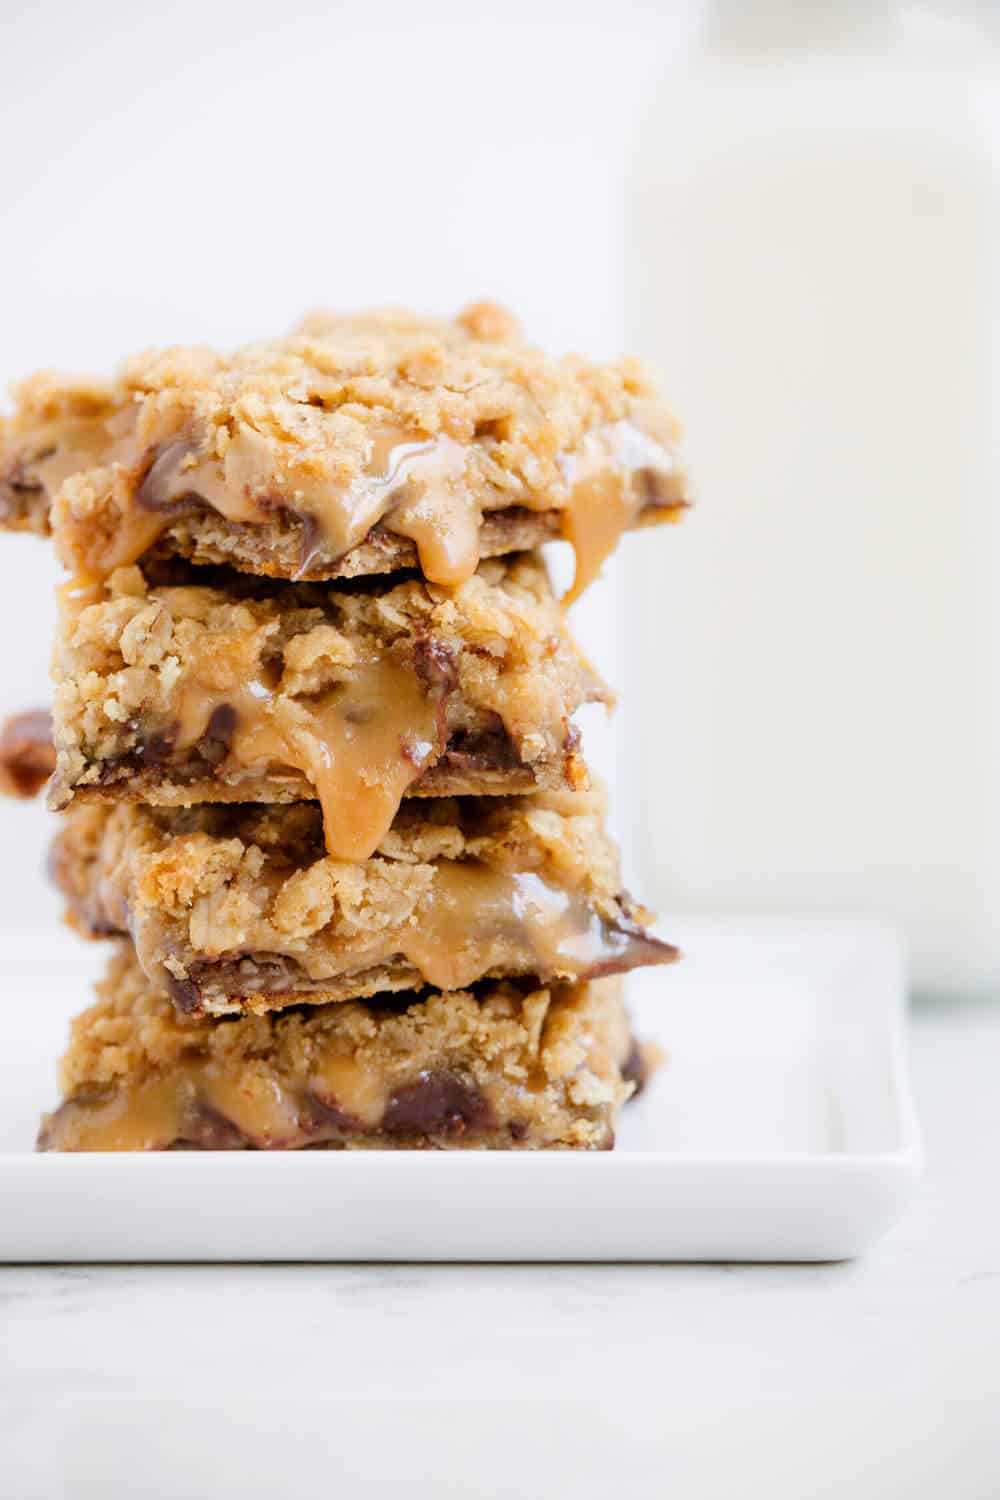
[200,686]
[240,908]
[504,1067]
[356,445]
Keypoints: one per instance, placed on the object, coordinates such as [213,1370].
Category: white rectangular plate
[781,1128]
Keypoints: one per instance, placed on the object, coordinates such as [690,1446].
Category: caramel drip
[475,918]
[145,1118]
[98,552]
[343,1084]
[215,1106]
[600,509]
[199,699]
[422,479]
[76,443]
[154,504]
[153,1115]
[79,592]
[257,1106]
[134,534]
[443,516]
[361,746]
[79,444]
[232,486]
[605,498]
[420,488]
[402,473]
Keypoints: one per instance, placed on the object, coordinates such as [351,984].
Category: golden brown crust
[143,671]
[286,550]
[286,424]
[203,503]
[51,410]
[530,1067]
[236,909]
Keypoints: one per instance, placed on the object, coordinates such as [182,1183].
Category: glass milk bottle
[813,707]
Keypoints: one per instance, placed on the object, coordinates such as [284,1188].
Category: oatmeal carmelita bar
[358,694]
[235,908]
[505,1067]
[358,445]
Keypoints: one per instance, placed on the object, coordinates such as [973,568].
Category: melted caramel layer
[261,1109]
[146,1118]
[606,495]
[74,443]
[424,489]
[361,746]
[237,910]
[161,1111]
[344,1084]
[425,474]
[506,1065]
[441,517]
[474,918]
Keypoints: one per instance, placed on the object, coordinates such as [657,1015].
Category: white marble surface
[882,1374]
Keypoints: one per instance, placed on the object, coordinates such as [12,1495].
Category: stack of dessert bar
[313,737]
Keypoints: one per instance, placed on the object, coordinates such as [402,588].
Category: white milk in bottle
[813,710]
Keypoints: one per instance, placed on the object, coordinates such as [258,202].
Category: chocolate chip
[19,480]
[629,946]
[634,1069]
[317,1115]
[264,974]
[206,1128]
[489,749]
[159,467]
[436,666]
[438,1102]
[184,994]
[311,543]
[215,743]
[156,749]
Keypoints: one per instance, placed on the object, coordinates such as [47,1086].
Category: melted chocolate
[437,1103]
